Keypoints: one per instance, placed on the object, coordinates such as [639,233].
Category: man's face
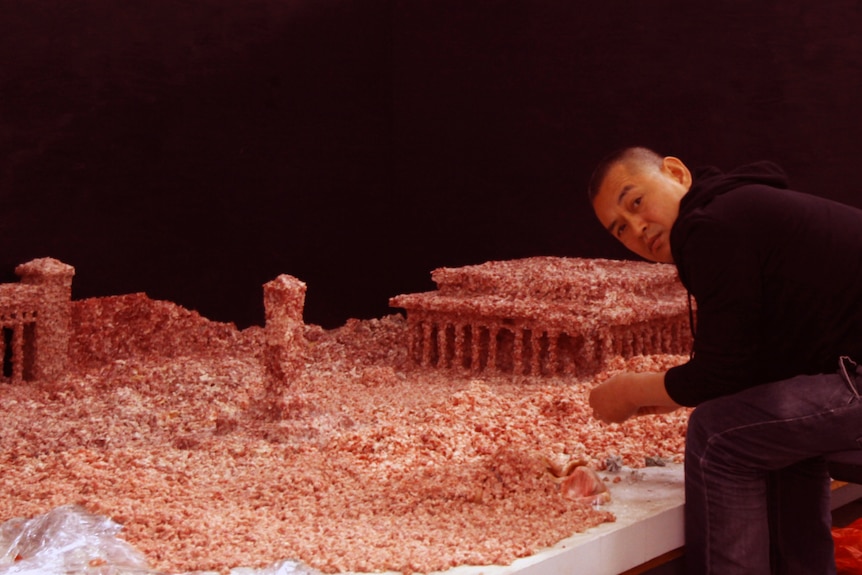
[638,206]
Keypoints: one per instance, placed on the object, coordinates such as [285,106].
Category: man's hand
[626,395]
[610,401]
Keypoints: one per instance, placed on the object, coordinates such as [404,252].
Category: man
[777,279]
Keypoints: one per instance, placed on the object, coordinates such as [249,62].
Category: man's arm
[629,394]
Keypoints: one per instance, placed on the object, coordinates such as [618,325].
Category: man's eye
[620,229]
[636,202]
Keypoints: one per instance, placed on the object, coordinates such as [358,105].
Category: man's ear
[677,170]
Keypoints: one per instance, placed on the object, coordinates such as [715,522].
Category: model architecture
[455,431]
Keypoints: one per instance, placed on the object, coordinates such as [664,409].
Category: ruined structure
[535,316]
[283,302]
[161,412]
[35,315]
[546,316]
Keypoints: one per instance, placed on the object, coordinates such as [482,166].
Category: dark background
[195,150]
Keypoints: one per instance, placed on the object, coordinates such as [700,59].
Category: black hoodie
[777,278]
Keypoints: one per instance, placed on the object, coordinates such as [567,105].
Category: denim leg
[756,454]
[800,518]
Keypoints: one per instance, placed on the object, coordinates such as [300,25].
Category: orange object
[848,548]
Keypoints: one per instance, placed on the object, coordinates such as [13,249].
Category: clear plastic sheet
[69,540]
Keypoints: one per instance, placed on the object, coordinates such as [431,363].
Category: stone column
[518,350]
[458,361]
[554,352]
[493,330]
[284,302]
[475,346]
[442,348]
[427,336]
[536,352]
[53,330]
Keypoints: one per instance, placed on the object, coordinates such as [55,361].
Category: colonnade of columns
[671,336]
[521,348]
[36,321]
[488,345]
[18,329]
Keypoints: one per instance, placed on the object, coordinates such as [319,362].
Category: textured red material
[36,314]
[176,427]
[546,315]
[284,352]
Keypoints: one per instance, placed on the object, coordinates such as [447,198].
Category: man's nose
[638,225]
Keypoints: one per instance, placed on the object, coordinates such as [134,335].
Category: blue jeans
[756,485]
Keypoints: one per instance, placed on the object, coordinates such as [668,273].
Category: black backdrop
[197,149]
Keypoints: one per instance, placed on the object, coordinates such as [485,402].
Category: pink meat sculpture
[217,448]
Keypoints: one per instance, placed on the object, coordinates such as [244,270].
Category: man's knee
[705,421]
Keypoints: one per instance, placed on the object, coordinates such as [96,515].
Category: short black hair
[632,155]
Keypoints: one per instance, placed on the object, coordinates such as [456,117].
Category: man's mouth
[653,242]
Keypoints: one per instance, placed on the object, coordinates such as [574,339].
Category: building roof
[561,293]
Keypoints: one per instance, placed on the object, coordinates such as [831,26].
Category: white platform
[648,505]
[649,512]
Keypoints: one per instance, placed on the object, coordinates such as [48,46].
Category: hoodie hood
[709,182]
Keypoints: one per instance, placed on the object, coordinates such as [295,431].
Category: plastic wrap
[69,540]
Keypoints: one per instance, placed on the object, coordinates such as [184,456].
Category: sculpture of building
[534,316]
[35,316]
[546,315]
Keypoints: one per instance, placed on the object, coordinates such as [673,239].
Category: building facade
[546,316]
